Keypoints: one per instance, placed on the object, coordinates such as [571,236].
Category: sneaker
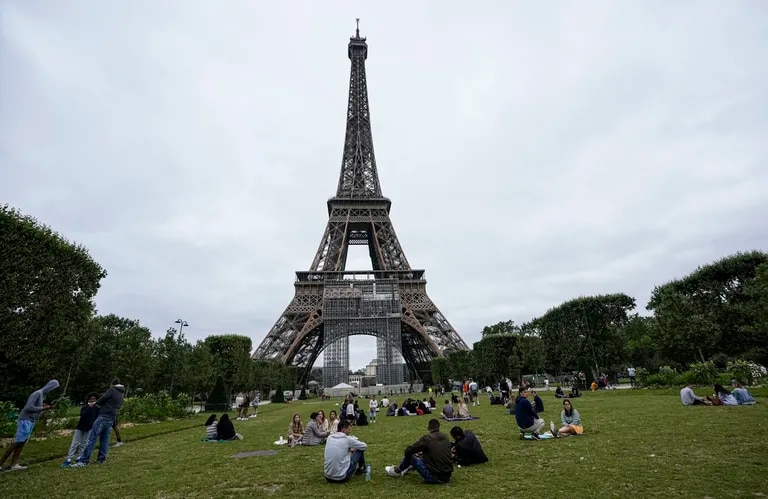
[392,471]
[535,436]
[66,464]
[17,467]
[78,464]
[359,471]
[119,444]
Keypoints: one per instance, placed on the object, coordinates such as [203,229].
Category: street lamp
[181,323]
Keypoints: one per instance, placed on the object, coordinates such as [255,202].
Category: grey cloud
[533,153]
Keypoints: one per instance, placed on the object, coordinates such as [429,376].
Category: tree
[587,327]
[232,360]
[172,353]
[755,310]
[503,327]
[440,370]
[495,357]
[698,314]
[47,286]
[641,334]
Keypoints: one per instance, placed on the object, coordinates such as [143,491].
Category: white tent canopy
[342,386]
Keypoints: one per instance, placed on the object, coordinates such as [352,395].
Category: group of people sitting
[449,412]
[221,429]
[722,396]
[432,456]
[529,422]
[575,392]
[412,407]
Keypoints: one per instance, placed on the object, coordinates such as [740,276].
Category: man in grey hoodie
[109,404]
[26,423]
[344,455]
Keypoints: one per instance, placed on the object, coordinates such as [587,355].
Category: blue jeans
[102,428]
[421,469]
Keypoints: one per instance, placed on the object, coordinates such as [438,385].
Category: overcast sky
[533,153]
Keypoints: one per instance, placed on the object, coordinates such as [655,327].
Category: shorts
[579,429]
[24,429]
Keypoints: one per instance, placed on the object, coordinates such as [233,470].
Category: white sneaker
[390,470]
[17,467]
[119,444]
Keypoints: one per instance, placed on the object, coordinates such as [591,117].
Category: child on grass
[88,414]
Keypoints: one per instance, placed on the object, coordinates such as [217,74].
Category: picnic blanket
[461,419]
[545,436]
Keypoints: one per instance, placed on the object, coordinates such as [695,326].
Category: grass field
[638,443]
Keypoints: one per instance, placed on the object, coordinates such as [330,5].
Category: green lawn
[639,443]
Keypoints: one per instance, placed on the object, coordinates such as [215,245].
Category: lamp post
[181,323]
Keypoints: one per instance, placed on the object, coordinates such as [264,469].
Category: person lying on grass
[570,421]
[26,423]
[344,455]
[435,463]
[466,447]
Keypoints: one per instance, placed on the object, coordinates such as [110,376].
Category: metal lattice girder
[322,314]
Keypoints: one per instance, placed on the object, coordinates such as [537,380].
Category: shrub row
[702,373]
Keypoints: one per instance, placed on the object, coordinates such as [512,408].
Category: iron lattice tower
[331,303]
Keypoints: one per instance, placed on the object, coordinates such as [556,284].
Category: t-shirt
[373,404]
[448,411]
[473,387]
[631,372]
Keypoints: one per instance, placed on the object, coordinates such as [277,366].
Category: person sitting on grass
[210,427]
[225,430]
[742,395]
[538,404]
[463,410]
[88,414]
[575,392]
[26,423]
[527,419]
[466,447]
[323,423]
[313,435]
[392,409]
[333,424]
[689,398]
[295,431]
[344,455]
[447,410]
[570,421]
[725,396]
[436,462]
[559,393]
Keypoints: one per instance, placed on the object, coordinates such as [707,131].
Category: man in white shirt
[631,374]
[385,402]
[473,393]
[689,398]
[344,455]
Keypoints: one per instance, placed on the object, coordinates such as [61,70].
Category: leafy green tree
[46,300]
[232,360]
[440,369]
[495,357]
[503,327]
[641,335]
[755,311]
[173,351]
[699,314]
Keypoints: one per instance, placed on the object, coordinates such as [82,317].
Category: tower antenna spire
[357,29]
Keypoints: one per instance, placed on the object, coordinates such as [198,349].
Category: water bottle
[368,473]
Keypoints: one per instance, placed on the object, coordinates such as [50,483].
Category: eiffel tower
[332,303]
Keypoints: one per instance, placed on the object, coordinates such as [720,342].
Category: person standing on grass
[473,392]
[631,373]
[373,406]
[436,465]
[109,408]
[88,414]
[26,423]
[527,419]
[344,455]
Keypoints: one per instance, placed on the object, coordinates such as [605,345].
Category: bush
[703,373]
[55,419]
[218,400]
[8,415]
[642,376]
[154,407]
[745,372]
[279,396]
